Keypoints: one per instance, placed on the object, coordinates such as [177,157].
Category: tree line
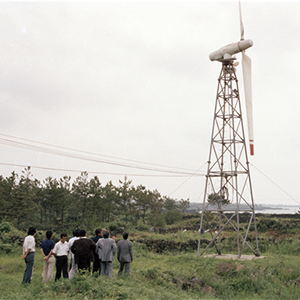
[57,203]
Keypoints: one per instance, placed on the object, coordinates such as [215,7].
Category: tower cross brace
[228,178]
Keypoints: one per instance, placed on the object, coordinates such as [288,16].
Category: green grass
[161,276]
[179,236]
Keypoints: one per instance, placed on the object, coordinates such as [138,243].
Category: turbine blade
[241,22]
[246,65]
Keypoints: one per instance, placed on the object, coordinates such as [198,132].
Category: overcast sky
[132,83]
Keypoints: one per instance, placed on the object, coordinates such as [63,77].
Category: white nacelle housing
[226,52]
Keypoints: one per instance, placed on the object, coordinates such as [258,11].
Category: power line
[90,172]
[76,156]
[186,180]
[275,184]
[27,146]
[87,152]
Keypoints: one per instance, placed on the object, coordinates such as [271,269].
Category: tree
[174,209]
[156,205]
[8,188]
[97,199]
[142,200]
[110,201]
[125,194]
[65,196]
[184,204]
[24,203]
[172,216]
[217,199]
[170,204]
[57,202]
[81,194]
[54,201]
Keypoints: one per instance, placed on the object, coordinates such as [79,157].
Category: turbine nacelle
[225,53]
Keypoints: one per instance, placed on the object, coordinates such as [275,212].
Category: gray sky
[132,81]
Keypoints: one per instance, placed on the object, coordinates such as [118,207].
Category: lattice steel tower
[228,182]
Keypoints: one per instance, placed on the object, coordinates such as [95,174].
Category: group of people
[82,251]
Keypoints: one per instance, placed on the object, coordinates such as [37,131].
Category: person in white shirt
[60,251]
[28,254]
[73,269]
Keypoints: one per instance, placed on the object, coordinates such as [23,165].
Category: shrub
[116,228]
[5,227]
[157,220]
[154,275]
[6,248]
[172,216]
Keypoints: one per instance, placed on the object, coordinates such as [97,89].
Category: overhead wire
[26,145]
[275,184]
[92,153]
[170,173]
[186,180]
[90,172]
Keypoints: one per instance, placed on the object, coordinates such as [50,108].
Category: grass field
[171,275]
[164,276]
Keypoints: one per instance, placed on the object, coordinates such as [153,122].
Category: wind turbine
[228,187]
[226,54]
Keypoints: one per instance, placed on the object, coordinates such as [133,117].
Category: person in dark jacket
[125,254]
[96,264]
[83,250]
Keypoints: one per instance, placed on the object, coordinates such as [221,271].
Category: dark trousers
[96,264]
[61,265]
[29,260]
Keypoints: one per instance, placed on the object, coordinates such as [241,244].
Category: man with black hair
[98,235]
[83,250]
[28,254]
[49,259]
[61,250]
[73,269]
[125,254]
[96,264]
[106,249]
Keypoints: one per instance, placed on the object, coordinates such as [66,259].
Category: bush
[143,227]
[5,227]
[265,223]
[172,216]
[116,227]
[6,248]
[157,220]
